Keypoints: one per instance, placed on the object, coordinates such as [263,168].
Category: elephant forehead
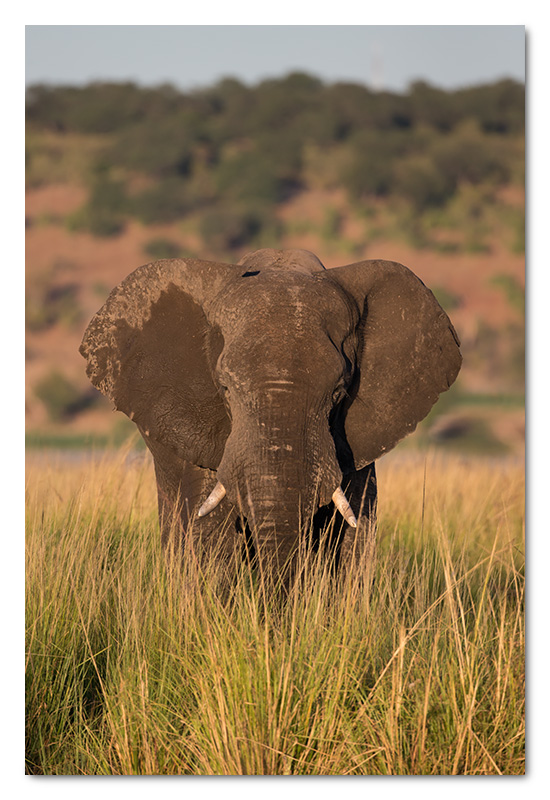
[297,301]
[284,336]
[291,260]
[282,364]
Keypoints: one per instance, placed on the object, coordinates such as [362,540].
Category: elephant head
[279,377]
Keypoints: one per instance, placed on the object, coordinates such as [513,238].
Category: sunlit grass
[137,668]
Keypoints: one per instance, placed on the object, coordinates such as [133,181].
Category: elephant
[266,390]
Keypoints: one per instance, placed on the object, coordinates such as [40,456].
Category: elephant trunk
[279,475]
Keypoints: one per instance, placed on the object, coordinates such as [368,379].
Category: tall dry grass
[136,668]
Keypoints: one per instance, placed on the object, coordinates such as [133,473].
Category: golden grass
[137,668]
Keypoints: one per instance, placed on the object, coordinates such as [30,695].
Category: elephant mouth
[338,498]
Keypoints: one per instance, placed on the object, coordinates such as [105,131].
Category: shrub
[445,298]
[474,243]
[422,184]
[513,290]
[97,108]
[518,244]
[225,229]
[105,211]
[372,161]
[249,178]
[498,107]
[61,397]
[46,305]
[166,201]
[432,106]
[469,156]
[99,222]
[367,175]
[159,147]
[163,248]
[332,224]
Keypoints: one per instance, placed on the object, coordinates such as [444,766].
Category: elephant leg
[358,544]
[182,487]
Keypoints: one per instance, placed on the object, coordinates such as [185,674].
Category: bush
[225,229]
[434,107]
[105,212]
[279,102]
[46,305]
[373,160]
[368,176]
[518,244]
[471,157]
[244,147]
[249,178]
[161,147]
[448,300]
[166,201]
[332,224]
[512,289]
[498,107]
[163,248]
[61,397]
[422,184]
[97,108]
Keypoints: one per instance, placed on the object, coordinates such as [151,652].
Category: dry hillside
[74,271]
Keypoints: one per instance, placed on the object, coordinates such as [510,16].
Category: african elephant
[265,390]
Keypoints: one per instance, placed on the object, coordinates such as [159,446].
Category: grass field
[133,668]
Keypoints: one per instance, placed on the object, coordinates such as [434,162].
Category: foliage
[231,145]
[135,668]
[245,177]
[514,291]
[104,213]
[446,298]
[61,397]
[50,300]
[500,352]
[163,248]
[160,148]
[98,107]
[469,156]
[422,184]
[518,244]
[224,229]
[51,157]
[165,201]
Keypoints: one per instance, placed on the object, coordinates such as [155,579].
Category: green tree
[420,182]
[470,156]
[224,229]
[105,211]
[166,201]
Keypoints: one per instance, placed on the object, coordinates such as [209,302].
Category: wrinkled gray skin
[277,378]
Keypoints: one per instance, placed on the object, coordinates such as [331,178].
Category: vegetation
[133,668]
[232,153]
[336,168]
[61,397]
[53,298]
[162,247]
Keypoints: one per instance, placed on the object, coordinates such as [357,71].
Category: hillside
[98,206]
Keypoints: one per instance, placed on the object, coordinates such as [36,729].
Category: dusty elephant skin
[266,390]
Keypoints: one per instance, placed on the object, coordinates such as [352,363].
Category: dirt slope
[56,257]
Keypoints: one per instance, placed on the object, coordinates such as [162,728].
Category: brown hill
[69,275]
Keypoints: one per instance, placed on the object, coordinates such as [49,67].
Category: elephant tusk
[341,503]
[213,499]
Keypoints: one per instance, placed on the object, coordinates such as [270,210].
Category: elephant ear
[151,350]
[408,355]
